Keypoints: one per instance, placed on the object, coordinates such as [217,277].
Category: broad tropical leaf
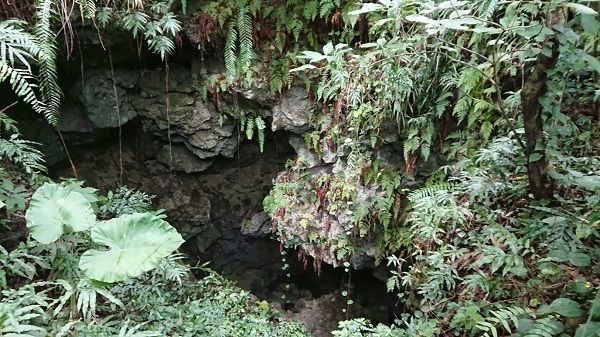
[55,210]
[136,243]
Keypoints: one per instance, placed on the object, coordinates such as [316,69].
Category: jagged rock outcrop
[291,113]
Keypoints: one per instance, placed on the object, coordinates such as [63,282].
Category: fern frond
[135,22]
[286,77]
[103,16]
[543,327]
[487,9]
[184,6]
[230,52]
[16,43]
[430,192]
[296,28]
[172,269]
[23,152]
[250,127]
[255,7]
[18,79]
[275,83]
[161,45]
[505,317]
[88,8]
[260,128]
[244,26]
[311,9]
[47,77]
[325,8]
[169,24]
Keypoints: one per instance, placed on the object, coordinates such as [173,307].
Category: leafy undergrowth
[163,302]
[64,281]
[486,259]
[158,305]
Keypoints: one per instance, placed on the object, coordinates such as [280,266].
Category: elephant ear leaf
[135,243]
[55,210]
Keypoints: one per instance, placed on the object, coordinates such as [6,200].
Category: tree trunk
[534,88]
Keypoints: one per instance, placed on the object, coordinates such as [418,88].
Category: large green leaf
[136,243]
[562,306]
[55,210]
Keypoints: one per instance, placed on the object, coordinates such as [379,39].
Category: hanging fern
[249,127]
[231,52]
[244,26]
[260,128]
[17,44]
[135,22]
[17,48]
[103,16]
[47,77]
[250,124]
[88,8]
[18,79]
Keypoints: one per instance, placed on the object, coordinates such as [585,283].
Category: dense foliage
[92,265]
[503,97]
[489,224]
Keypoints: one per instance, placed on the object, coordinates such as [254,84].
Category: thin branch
[9,106]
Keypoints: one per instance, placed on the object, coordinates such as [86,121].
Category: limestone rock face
[179,158]
[96,94]
[292,112]
[258,226]
[171,108]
